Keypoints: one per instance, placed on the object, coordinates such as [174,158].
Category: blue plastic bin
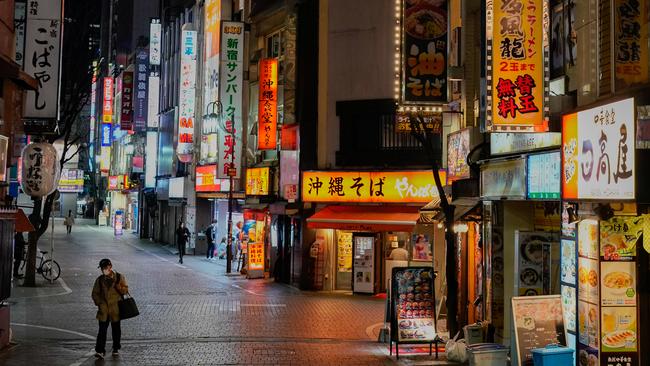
[553,355]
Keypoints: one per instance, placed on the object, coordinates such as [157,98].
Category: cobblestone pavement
[191,314]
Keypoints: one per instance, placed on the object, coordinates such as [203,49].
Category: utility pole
[231,174]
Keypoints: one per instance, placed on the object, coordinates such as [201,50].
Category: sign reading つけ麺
[377,187]
[598,152]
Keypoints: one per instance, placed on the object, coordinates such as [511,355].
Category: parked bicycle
[48,268]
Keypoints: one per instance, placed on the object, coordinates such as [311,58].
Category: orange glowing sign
[107,103]
[256,256]
[257,181]
[268,105]
[375,187]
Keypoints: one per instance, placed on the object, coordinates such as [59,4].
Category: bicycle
[48,268]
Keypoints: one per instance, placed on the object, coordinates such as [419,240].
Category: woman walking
[69,221]
[182,235]
[107,291]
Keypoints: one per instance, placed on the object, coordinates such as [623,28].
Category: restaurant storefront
[366,223]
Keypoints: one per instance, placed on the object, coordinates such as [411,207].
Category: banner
[424,50]
[630,42]
[42,55]
[155,29]
[141,103]
[187,97]
[267,121]
[516,50]
[231,78]
[212,38]
[107,104]
[126,114]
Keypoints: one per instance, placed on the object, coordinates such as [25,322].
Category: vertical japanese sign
[631,42]
[187,96]
[42,54]
[155,29]
[268,105]
[230,89]
[424,51]
[598,152]
[153,101]
[19,24]
[209,126]
[126,113]
[141,104]
[107,100]
[517,45]
[93,104]
[106,134]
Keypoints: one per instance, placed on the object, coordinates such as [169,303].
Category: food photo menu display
[413,305]
[588,293]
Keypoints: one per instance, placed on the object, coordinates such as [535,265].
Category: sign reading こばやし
[377,187]
[598,152]
[268,105]
[516,46]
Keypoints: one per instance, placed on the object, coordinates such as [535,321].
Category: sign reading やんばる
[516,47]
[378,187]
[598,152]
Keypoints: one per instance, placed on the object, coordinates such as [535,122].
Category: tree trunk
[30,267]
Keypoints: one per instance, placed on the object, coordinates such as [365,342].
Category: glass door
[364,264]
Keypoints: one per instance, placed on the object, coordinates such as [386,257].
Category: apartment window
[274,47]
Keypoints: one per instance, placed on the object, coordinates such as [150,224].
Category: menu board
[569,303]
[538,322]
[568,262]
[588,292]
[344,243]
[588,239]
[412,299]
[256,256]
[619,239]
[588,279]
[543,176]
[534,262]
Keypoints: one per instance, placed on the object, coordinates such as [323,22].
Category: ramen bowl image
[618,282]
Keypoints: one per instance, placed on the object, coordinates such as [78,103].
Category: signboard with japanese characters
[206,179]
[126,112]
[377,187]
[257,181]
[267,121]
[230,88]
[424,51]
[211,45]
[141,103]
[19,28]
[153,102]
[155,29]
[458,147]
[42,51]
[432,121]
[40,170]
[107,101]
[504,179]
[516,47]
[630,42]
[72,181]
[106,134]
[187,97]
[598,152]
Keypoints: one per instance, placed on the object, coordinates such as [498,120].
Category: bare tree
[76,75]
[427,138]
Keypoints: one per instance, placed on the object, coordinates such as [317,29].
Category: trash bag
[456,350]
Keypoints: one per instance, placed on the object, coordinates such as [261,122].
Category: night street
[191,314]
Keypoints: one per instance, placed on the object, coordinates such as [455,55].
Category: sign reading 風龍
[598,152]
[424,51]
[516,49]
[377,187]
[268,105]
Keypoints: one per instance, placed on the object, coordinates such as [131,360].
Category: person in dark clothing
[19,252]
[108,289]
[182,234]
[209,236]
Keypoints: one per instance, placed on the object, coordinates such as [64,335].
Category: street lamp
[214,121]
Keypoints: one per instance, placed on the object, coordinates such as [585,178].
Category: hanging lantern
[40,169]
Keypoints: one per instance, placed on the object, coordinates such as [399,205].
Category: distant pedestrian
[107,291]
[69,221]
[19,252]
[209,236]
[182,235]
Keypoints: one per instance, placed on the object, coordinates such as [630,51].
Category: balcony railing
[369,137]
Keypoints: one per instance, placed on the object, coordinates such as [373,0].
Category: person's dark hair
[104,263]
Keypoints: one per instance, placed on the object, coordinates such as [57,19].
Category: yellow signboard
[256,256]
[516,40]
[257,181]
[376,187]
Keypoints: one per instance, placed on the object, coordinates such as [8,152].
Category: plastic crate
[553,355]
[487,354]
[473,333]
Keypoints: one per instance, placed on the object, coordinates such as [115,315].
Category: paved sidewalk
[191,314]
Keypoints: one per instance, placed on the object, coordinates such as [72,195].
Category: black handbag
[128,308]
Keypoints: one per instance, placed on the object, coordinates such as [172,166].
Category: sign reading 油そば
[516,46]
[376,187]
[598,152]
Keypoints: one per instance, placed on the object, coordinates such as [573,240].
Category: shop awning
[365,218]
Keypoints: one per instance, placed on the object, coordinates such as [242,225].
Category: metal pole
[52,246]
[230,194]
